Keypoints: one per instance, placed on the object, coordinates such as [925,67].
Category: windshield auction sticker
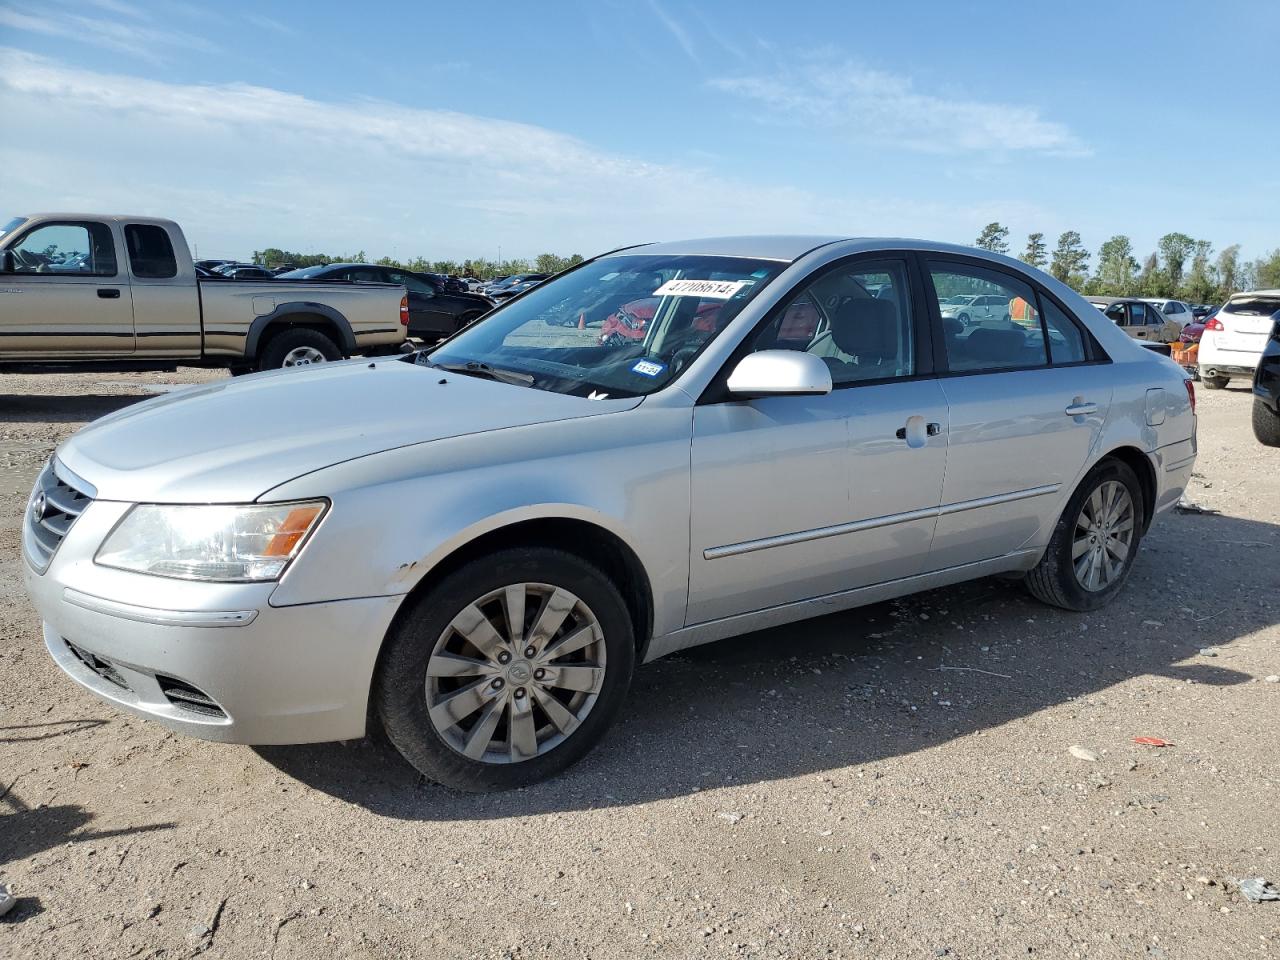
[707,289]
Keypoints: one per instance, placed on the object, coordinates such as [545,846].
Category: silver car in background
[476,545]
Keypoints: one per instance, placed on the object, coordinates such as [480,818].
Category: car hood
[233,441]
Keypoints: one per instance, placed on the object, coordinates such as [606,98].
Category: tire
[1215,383]
[1055,579]
[963,318]
[297,346]
[403,689]
[1266,424]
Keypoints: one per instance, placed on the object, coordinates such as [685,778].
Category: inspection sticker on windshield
[708,289]
[648,368]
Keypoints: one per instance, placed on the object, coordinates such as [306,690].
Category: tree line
[477,267]
[1180,267]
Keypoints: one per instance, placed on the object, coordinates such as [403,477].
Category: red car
[632,319]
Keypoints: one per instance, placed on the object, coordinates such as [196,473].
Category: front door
[800,497]
[1025,407]
[67,296]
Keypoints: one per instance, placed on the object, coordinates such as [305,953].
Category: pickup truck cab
[123,291]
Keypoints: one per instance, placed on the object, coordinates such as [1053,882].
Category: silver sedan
[665,446]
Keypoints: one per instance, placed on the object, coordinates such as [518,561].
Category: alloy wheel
[515,673]
[1103,537]
[302,357]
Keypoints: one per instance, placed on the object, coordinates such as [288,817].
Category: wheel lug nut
[530,652]
[504,657]
[539,674]
[519,693]
[497,683]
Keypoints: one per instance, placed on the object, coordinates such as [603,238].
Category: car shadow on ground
[856,687]
[78,408]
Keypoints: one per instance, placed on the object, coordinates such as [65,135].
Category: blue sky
[450,130]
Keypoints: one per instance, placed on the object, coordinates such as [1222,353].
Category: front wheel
[1266,424]
[508,671]
[1094,544]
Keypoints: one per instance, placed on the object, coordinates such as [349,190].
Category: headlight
[210,542]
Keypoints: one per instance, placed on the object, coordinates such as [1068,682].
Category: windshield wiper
[475,368]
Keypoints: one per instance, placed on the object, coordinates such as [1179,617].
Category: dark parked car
[247,272]
[515,285]
[434,312]
[1266,390]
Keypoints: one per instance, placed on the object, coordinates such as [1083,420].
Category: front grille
[183,695]
[102,668]
[54,507]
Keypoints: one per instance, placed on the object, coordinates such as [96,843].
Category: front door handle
[1079,407]
[108,293]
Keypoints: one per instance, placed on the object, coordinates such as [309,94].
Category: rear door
[1026,403]
[800,497]
[68,294]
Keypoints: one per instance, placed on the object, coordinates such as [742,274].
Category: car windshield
[620,326]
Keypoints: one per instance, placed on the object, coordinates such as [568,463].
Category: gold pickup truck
[93,290]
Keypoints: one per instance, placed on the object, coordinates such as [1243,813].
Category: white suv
[1233,338]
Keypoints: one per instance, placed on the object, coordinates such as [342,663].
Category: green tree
[1037,252]
[1117,269]
[1266,272]
[994,237]
[1200,284]
[1228,272]
[1174,250]
[1070,262]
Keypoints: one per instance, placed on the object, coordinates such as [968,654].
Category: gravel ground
[892,782]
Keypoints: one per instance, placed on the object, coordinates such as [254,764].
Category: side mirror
[6,262]
[779,373]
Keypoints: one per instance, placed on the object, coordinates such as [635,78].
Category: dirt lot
[892,782]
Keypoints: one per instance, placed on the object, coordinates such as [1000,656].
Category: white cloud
[243,167]
[146,43]
[676,29]
[874,107]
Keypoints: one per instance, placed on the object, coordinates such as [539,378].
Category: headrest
[866,329]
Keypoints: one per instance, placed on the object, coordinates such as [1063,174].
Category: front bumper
[162,648]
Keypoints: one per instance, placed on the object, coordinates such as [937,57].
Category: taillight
[1213,323]
[1191,395]
[404,310]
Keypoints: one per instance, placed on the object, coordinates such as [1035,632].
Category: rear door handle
[1079,407]
[108,293]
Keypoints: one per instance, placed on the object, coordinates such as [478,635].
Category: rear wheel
[1214,383]
[298,347]
[508,671]
[1094,543]
[1266,424]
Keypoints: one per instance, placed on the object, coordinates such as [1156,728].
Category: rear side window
[1138,311]
[1006,335]
[71,249]
[150,252]
[1066,340]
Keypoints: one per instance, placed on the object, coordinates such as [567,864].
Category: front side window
[151,254]
[619,326]
[857,318]
[1138,314]
[66,249]
[1006,335]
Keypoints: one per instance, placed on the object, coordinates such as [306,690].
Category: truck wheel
[298,347]
[1266,424]
[1094,543]
[1214,383]
[507,671]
